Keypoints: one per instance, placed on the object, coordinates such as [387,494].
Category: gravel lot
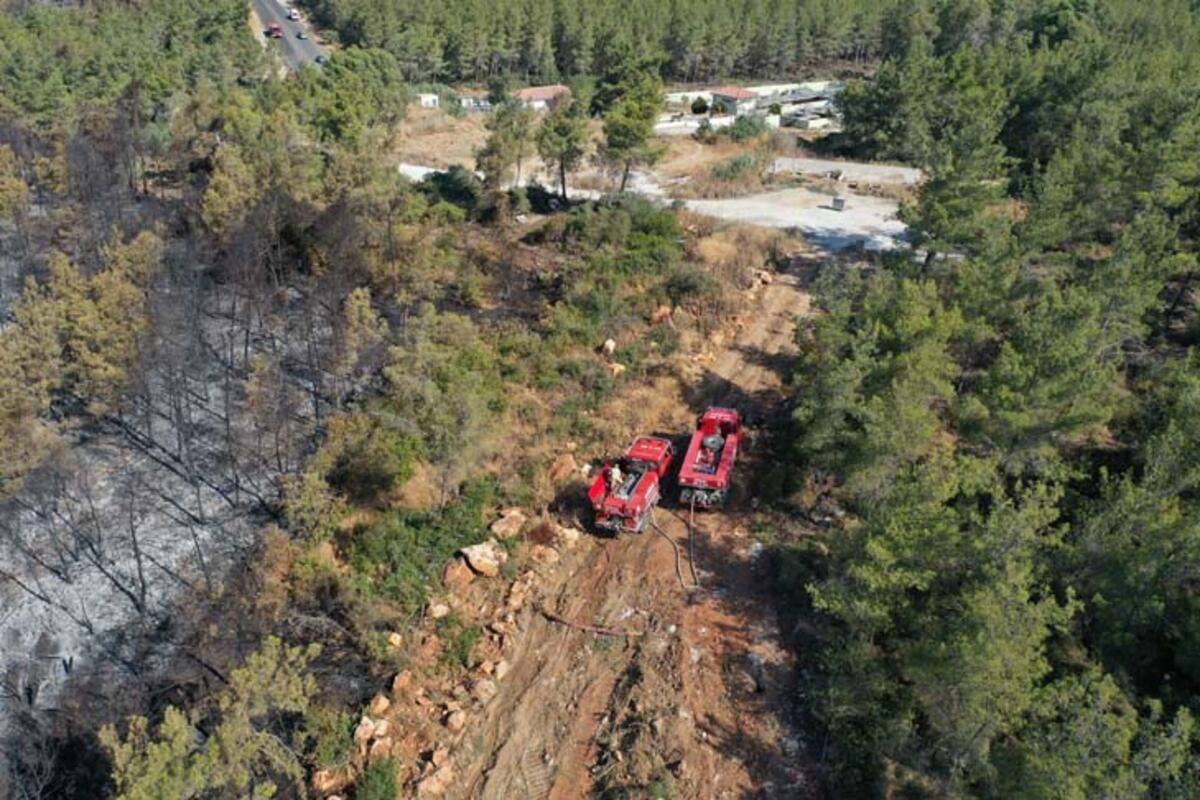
[851,170]
[867,221]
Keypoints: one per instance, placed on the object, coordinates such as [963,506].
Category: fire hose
[691,548]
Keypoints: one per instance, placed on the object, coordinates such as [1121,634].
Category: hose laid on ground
[692,541]
[662,533]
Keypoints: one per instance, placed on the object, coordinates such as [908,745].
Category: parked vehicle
[707,469]
[274,30]
[626,491]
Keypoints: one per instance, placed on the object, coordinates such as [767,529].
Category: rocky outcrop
[485,558]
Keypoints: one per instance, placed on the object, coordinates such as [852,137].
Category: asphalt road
[296,52]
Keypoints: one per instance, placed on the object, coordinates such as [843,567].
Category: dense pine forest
[256,388]
[543,40]
[1010,416]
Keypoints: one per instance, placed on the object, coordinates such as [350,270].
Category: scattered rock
[510,523]
[660,315]
[609,347]
[440,756]
[541,554]
[568,537]
[502,668]
[484,690]
[717,338]
[364,730]
[400,683]
[563,468]
[379,705]
[439,610]
[408,748]
[436,783]
[431,646]
[485,558]
[380,749]
[765,277]
[456,575]
[325,781]
[395,640]
[486,667]
[456,721]
[517,595]
[616,369]
[382,729]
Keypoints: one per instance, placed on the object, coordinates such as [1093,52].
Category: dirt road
[694,702]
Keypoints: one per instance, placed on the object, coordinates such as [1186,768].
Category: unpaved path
[867,221]
[696,705]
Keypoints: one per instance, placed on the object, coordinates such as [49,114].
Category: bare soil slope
[693,702]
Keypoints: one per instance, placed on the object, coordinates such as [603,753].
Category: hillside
[294,501]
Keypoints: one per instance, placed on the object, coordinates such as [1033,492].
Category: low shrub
[399,554]
[732,169]
[458,640]
[458,186]
[378,782]
[328,736]
[747,128]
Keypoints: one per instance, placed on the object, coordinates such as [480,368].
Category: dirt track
[696,704]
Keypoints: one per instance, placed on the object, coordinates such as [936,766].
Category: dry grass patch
[431,137]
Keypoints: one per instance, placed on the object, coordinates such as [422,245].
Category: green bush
[398,555]
[458,640]
[370,457]
[639,234]
[458,186]
[746,128]
[519,200]
[705,134]
[733,168]
[690,284]
[667,339]
[699,106]
[328,736]
[378,782]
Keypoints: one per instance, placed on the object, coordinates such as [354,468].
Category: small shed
[474,101]
[428,100]
[540,98]
[734,100]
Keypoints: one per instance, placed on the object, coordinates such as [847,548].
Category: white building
[734,100]
[540,98]
[428,100]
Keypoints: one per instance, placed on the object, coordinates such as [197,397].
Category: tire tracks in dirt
[701,701]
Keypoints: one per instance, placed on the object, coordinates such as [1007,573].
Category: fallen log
[583,626]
